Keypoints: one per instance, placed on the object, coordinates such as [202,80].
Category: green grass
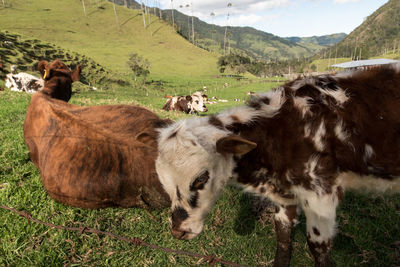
[368,225]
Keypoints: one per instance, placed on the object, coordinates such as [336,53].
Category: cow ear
[76,73]
[234,144]
[188,98]
[42,67]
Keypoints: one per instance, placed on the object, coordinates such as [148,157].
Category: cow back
[93,157]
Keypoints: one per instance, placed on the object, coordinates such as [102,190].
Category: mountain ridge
[378,34]
[243,40]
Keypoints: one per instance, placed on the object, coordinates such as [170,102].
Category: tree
[143,8]
[233,62]
[226,27]
[192,24]
[84,8]
[172,10]
[115,13]
[138,65]
[187,5]
[212,15]
[149,16]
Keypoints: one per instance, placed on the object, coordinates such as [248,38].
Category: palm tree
[3,3]
[226,27]
[84,8]
[143,8]
[149,16]
[115,13]
[172,10]
[187,5]
[192,24]
[228,34]
[212,15]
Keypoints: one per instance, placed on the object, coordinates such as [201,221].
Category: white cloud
[238,11]
[280,17]
[345,1]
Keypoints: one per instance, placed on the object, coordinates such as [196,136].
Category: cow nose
[179,234]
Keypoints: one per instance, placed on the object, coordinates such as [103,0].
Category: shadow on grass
[157,30]
[245,220]
[129,19]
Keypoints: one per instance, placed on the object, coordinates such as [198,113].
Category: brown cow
[92,157]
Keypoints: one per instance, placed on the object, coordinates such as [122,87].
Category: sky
[283,18]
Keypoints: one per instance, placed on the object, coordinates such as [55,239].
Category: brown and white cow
[301,145]
[92,157]
[23,82]
[188,104]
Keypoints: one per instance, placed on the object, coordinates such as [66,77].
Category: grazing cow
[23,82]
[301,145]
[189,104]
[92,157]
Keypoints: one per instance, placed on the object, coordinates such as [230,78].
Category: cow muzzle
[183,235]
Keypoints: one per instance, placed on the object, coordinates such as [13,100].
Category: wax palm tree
[226,27]
[115,13]
[172,10]
[143,8]
[84,7]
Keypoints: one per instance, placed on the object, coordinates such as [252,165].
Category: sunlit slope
[98,35]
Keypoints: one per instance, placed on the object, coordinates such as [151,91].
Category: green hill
[378,34]
[98,36]
[243,40]
[25,54]
[318,42]
[255,43]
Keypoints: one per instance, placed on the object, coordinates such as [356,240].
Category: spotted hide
[23,82]
[188,104]
[301,145]
[92,157]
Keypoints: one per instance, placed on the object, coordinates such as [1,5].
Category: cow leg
[321,226]
[285,220]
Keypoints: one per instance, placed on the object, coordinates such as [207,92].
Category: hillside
[253,42]
[379,33]
[98,36]
[25,54]
[244,40]
[318,42]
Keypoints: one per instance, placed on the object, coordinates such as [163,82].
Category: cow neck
[58,87]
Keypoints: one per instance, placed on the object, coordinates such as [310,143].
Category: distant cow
[301,145]
[23,82]
[189,104]
[92,157]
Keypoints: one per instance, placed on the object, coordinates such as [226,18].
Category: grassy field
[369,226]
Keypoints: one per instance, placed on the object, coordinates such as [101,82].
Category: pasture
[369,225]
[369,233]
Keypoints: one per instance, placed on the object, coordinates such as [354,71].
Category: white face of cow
[9,84]
[194,163]
[197,102]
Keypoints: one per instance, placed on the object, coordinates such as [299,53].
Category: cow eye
[197,101]
[200,181]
